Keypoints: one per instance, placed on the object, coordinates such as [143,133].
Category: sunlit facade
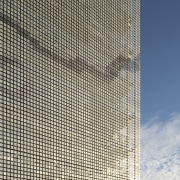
[69,89]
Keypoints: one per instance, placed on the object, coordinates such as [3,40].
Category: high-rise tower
[69,89]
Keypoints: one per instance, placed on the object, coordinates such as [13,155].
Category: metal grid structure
[69,89]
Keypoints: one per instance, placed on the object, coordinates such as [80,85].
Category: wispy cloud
[160,149]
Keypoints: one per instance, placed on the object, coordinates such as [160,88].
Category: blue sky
[160,58]
[160,89]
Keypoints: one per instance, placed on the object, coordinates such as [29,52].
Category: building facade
[69,89]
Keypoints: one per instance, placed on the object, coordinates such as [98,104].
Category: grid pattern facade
[69,89]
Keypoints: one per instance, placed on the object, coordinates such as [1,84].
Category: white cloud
[160,149]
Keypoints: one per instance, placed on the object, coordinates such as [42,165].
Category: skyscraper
[69,76]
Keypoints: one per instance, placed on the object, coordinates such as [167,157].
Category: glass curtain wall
[69,89]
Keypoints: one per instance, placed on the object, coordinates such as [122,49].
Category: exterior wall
[69,75]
